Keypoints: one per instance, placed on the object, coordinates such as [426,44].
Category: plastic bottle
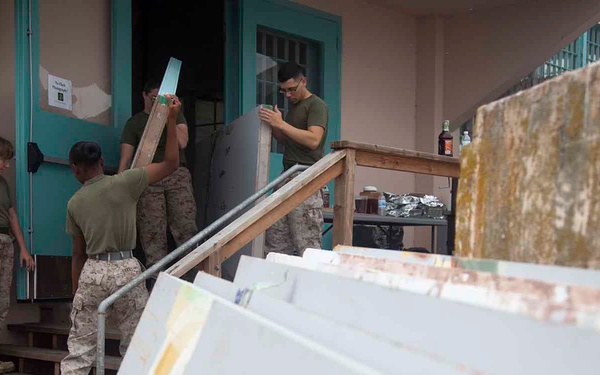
[464,140]
[381,207]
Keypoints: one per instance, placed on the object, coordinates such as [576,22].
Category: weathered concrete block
[530,181]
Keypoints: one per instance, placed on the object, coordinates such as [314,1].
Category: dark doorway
[193,32]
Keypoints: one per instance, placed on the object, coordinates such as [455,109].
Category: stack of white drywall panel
[361,311]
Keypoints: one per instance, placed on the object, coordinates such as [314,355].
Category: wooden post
[343,209]
[211,265]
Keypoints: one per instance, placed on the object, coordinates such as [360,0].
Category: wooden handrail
[398,159]
[256,220]
[339,165]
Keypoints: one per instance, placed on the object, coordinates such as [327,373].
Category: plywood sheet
[158,116]
[544,301]
[553,274]
[528,187]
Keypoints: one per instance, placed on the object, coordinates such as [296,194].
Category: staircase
[46,346]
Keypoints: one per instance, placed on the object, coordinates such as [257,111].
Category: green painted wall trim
[22,119]
[584,49]
[121,62]
[308,10]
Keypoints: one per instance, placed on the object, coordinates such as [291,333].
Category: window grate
[593,44]
[583,51]
[272,50]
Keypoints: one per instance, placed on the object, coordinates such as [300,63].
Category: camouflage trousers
[167,203]
[6,273]
[300,229]
[98,280]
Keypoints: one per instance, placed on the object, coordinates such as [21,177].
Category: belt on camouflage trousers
[119,255]
[4,230]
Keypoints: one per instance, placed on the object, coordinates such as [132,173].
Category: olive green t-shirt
[312,111]
[5,203]
[134,128]
[103,210]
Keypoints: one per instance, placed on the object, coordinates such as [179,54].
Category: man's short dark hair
[288,71]
[151,85]
[7,151]
[85,153]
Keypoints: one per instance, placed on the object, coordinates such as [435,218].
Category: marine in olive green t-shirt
[134,129]
[5,203]
[103,211]
[311,111]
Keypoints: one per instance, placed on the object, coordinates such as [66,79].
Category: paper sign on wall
[59,92]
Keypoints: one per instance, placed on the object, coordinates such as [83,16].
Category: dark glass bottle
[445,143]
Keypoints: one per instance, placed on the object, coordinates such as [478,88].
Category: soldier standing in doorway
[303,134]
[167,203]
[101,218]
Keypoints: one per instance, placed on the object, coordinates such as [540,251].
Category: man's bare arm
[25,258]
[310,138]
[127,152]
[182,135]
[278,134]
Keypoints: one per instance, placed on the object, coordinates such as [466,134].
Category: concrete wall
[18,312]
[378,84]
[429,94]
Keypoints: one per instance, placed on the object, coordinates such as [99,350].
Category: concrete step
[48,355]
[54,336]
[56,329]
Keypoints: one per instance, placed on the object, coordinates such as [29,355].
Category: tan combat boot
[6,367]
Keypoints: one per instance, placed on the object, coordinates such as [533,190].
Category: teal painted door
[93,52]
[264,33]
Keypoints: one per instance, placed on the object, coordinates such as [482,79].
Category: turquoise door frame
[243,18]
[42,196]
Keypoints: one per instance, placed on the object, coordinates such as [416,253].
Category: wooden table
[382,157]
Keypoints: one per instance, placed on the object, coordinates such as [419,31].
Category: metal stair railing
[187,246]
